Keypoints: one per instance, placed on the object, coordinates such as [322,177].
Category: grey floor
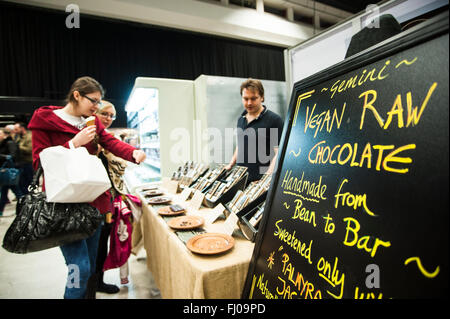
[42,275]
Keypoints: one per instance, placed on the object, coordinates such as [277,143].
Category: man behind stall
[258,133]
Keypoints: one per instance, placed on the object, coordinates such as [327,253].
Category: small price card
[170,186]
[230,224]
[196,200]
[186,193]
[211,216]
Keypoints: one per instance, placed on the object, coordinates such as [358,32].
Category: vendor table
[181,274]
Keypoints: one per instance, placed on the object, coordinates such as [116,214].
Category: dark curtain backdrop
[40,57]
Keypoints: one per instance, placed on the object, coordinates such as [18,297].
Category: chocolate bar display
[254,221]
[181,171]
[209,178]
[249,223]
[215,192]
[253,191]
[189,172]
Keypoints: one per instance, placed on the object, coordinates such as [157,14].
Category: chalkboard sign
[358,206]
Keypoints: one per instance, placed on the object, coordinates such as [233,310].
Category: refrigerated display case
[160,111]
[143,116]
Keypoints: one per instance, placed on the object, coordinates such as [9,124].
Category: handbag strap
[34,185]
[105,162]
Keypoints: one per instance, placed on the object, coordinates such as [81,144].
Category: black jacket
[8,147]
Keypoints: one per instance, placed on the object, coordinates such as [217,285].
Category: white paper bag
[73,175]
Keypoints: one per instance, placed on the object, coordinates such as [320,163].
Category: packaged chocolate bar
[213,189]
[176,208]
[220,190]
[257,216]
[236,197]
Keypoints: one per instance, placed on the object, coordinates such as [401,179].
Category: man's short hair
[253,85]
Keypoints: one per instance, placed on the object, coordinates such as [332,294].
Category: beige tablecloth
[181,274]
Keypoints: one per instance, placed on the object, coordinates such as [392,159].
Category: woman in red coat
[66,126]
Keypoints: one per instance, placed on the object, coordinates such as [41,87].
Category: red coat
[48,129]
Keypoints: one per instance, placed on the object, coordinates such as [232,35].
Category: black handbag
[40,225]
[9,175]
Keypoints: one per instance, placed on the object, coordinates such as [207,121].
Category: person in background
[258,134]
[66,126]
[10,128]
[8,150]
[24,158]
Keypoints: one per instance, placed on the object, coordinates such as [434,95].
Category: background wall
[40,57]
[275,22]
[218,106]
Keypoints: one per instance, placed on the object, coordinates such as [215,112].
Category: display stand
[228,195]
[205,178]
[182,186]
[253,204]
[245,226]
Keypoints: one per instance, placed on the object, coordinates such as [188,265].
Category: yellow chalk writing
[305,288]
[421,268]
[317,121]
[331,276]
[368,295]
[262,286]
[359,79]
[301,97]
[347,154]
[352,238]
[406,62]
[413,116]
[296,244]
[350,200]
[304,214]
[302,187]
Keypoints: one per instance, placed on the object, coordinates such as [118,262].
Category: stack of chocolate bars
[221,187]
[209,178]
[189,172]
[253,191]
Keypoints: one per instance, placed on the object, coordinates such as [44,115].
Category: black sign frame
[427,31]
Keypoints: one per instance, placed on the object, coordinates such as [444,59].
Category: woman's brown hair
[84,85]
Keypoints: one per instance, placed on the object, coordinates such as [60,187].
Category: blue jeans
[80,259]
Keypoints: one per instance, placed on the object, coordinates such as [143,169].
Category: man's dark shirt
[255,142]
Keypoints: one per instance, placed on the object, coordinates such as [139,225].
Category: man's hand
[271,168]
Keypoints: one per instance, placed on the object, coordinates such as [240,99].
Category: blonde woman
[115,167]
